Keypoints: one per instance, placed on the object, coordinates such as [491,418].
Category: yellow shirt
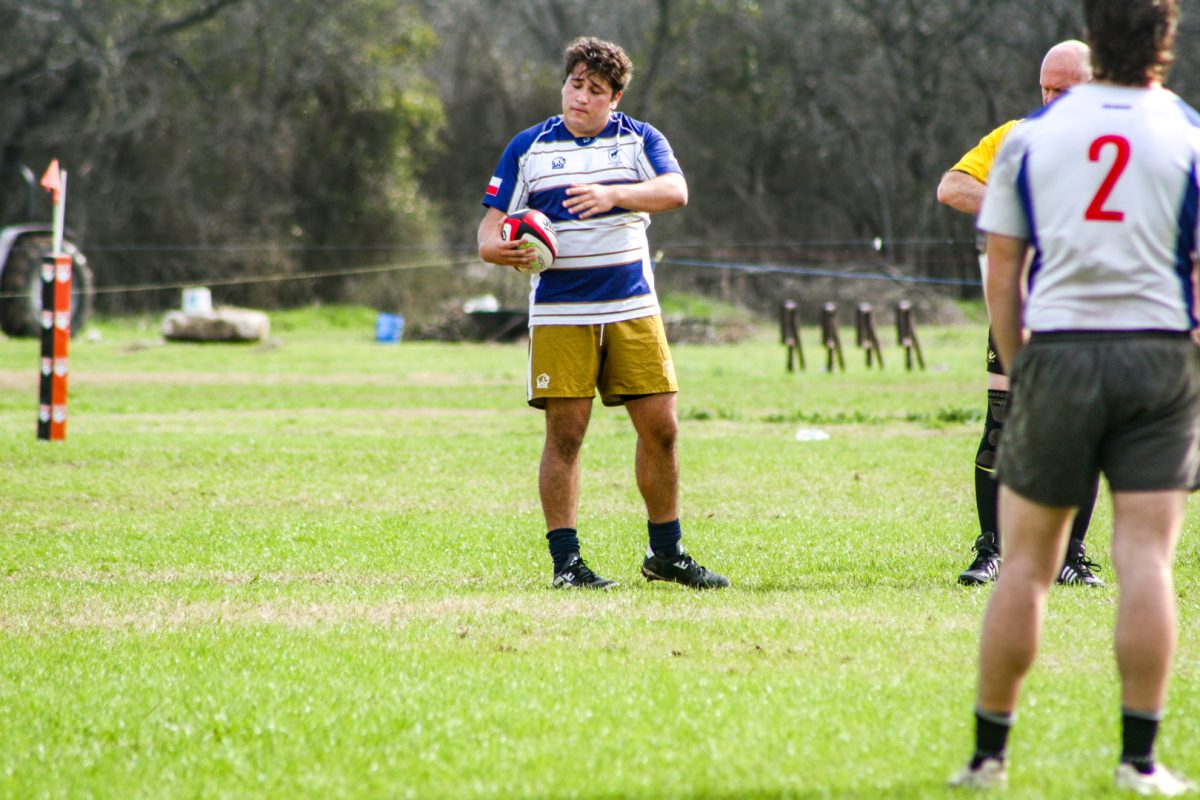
[978,161]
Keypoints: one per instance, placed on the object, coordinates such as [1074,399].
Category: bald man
[1066,64]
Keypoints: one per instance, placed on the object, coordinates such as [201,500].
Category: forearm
[1006,260]
[662,193]
[961,192]
[1195,296]
[1006,325]
[494,249]
[489,231]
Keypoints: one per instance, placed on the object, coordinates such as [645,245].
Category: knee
[662,436]
[1028,572]
[566,424]
[1140,566]
[565,440]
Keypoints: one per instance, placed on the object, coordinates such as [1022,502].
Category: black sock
[1083,517]
[563,542]
[1138,731]
[986,491]
[664,537]
[991,736]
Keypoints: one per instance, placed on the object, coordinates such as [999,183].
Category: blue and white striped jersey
[603,272]
[1103,185]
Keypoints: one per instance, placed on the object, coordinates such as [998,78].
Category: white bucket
[197,300]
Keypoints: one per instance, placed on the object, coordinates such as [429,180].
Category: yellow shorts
[620,359]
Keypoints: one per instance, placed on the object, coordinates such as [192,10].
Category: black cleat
[683,569]
[986,565]
[1077,567]
[576,575]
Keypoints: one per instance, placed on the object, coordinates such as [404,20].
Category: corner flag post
[56,317]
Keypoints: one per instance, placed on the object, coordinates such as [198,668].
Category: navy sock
[563,542]
[991,736]
[664,537]
[1138,731]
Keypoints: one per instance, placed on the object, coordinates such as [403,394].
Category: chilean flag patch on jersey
[494,186]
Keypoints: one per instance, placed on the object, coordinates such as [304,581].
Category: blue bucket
[389,328]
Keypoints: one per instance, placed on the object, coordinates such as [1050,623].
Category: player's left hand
[589,199]
[1196,336]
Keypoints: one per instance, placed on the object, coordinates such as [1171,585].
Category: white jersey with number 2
[1103,184]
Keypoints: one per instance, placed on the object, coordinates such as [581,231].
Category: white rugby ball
[533,229]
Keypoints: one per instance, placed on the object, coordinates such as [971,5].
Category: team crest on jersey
[614,155]
[558,163]
[543,381]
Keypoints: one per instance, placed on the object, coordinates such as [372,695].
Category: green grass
[316,568]
[695,305]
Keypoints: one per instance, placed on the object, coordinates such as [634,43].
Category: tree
[286,126]
[278,136]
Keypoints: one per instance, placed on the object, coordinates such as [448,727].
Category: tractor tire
[21,287]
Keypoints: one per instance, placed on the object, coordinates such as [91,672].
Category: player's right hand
[507,254]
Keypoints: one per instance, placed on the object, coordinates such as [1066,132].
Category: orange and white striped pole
[56,318]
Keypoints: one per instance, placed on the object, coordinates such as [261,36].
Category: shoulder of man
[547,129]
[1189,113]
[998,135]
[977,162]
[637,126]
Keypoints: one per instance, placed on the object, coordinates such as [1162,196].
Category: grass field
[317,568]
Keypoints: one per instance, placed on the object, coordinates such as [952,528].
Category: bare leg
[1034,539]
[558,478]
[1145,528]
[657,464]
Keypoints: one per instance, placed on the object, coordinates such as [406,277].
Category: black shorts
[1125,403]
[993,358]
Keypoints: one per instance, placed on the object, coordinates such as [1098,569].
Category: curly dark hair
[601,58]
[1133,41]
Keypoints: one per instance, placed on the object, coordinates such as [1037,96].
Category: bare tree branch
[171,27]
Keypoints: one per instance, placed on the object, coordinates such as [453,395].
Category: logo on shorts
[543,381]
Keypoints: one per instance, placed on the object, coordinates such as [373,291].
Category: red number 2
[1096,210]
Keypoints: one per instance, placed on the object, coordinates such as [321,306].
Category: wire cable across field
[462,261]
[273,278]
[813,272]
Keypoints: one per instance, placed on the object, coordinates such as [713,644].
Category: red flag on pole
[51,181]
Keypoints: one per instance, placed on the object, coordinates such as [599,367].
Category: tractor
[23,243]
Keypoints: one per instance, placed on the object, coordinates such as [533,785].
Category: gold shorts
[620,359]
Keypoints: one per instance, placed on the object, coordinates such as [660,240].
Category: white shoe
[990,774]
[1161,783]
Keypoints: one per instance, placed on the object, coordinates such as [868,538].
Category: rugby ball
[533,229]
